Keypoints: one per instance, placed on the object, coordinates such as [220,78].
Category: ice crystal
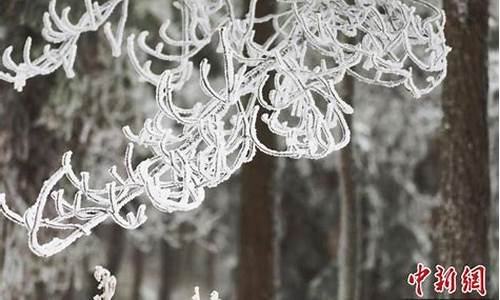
[380,42]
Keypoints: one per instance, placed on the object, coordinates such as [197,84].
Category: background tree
[349,214]
[465,184]
[257,266]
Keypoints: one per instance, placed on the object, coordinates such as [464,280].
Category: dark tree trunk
[116,248]
[70,291]
[169,261]
[349,220]
[211,260]
[257,273]
[465,183]
[138,261]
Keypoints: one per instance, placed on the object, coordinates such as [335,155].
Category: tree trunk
[465,183]
[138,261]
[169,270]
[116,248]
[210,263]
[70,291]
[257,273]
[349,221]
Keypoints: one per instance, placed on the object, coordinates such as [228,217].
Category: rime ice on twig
[107,283]
[381,42]
[63,35]
[214,295]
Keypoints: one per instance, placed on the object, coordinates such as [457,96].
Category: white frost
[107,283]
[380,42]
[214,295]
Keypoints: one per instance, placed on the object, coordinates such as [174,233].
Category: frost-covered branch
[107,283]
[214,295]
[62,37]
[382,42]
[197,32]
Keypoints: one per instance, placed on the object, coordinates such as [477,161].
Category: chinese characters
[472,279]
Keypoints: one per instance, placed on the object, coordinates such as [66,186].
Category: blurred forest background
[417,183]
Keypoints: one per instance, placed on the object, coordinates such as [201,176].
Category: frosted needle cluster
[288,83]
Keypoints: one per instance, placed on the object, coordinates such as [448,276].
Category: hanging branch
[391,44]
